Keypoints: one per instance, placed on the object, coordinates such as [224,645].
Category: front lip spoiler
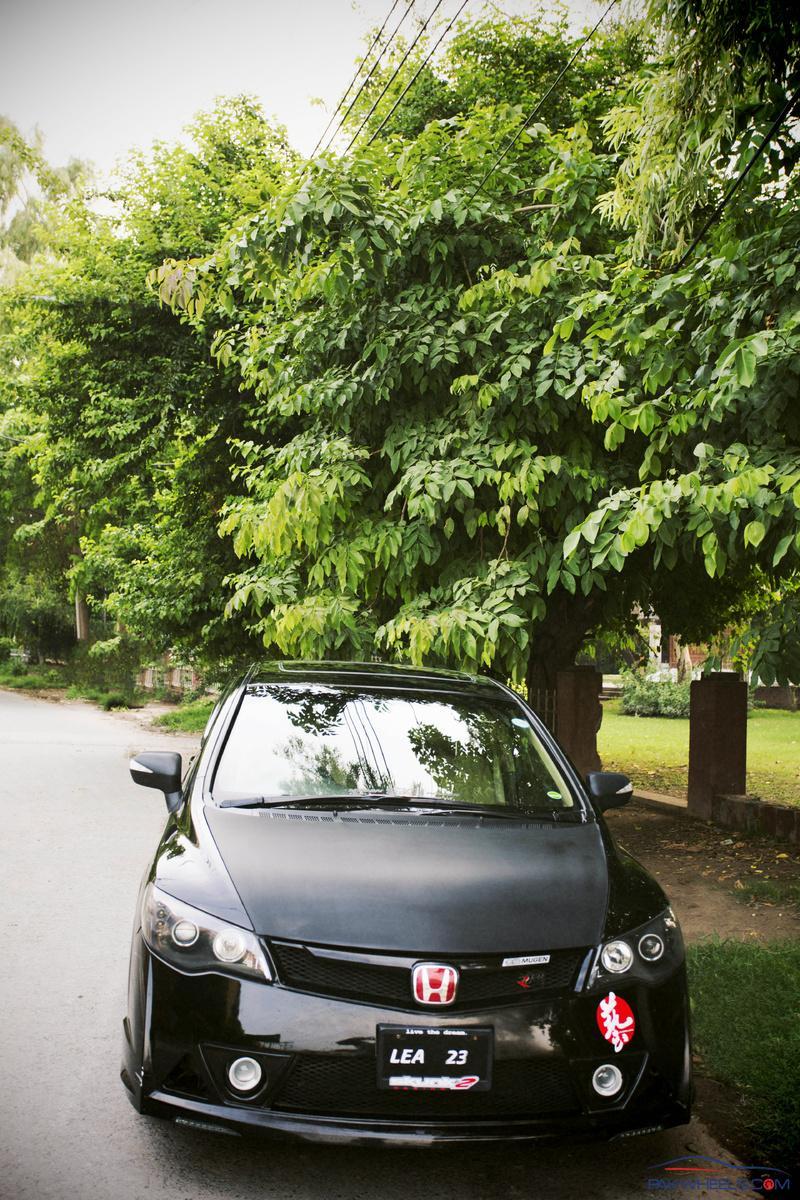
[375,1132]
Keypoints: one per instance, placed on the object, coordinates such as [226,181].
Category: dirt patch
[56,695]
[145,714]
[701,868]
[722,1110]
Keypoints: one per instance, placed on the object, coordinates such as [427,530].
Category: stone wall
[777,697]
[750,815]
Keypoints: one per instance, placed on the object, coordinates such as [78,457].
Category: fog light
[607,1080]
[651,947]
[616,957]
[185,933]
[244,1074]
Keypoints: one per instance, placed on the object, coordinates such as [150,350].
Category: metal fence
[544,703]
[169,678]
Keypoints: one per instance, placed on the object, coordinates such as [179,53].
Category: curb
[751,815]
[661,802]
[746,814]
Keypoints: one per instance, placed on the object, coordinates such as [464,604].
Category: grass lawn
[770,891]
[654,751]
[747,1035]
[188,718]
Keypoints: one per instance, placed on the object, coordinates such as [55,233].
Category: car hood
[421,884]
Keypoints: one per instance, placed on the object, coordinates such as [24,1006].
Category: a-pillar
[717,740]
[578,715]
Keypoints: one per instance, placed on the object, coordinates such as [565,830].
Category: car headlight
[194,941]
[644,952]
[616,956]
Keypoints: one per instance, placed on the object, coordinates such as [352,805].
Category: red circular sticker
[616,1021]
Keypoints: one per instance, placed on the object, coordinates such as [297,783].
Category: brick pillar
[717,740]
[578,715]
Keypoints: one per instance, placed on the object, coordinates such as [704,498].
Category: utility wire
[353,80]
[409,5]
[417,73]
[513,141]
[397,71]
[734,187]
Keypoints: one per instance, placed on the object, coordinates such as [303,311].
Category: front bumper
[318,1057]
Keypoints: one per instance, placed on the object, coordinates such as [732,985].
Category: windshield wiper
[287,800]
[369,800]
[349,799]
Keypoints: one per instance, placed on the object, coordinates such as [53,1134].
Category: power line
[417,73]
[507,149]
[365,81]
[355,77]
[397,71]
[734,187]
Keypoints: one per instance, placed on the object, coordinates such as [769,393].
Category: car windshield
[314,741]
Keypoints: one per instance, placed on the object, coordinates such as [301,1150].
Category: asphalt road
[75,837]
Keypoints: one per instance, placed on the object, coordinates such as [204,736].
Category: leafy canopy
[479,429]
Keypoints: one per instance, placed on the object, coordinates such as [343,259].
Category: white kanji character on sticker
[616,1029]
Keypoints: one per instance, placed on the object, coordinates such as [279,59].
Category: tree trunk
[81,617]
[571,712]
[685,668]
[555,642]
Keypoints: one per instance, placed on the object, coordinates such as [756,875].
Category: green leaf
[571,541]
[614,436]
[744,364]
[781,548]
[647,418]
[754,533]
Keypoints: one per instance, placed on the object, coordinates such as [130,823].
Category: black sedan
[385,908]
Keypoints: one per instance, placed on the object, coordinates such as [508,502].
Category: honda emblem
[434,983]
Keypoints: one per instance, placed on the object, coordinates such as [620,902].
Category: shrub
[107,666]
[642,697]
[38,616]
[17,676]
[6,646]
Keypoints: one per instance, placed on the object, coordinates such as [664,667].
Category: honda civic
[386,909]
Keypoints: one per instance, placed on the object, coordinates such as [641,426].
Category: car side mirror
[609,789]
[160,769]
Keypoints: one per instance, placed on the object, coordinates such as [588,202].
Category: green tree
[129,417]
[723,73]
[511,60]
[481,431]
[28,184]
[451,425]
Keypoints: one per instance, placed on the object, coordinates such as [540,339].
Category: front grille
[346,1085]
[482,981]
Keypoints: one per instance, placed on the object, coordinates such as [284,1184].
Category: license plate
[420,1057]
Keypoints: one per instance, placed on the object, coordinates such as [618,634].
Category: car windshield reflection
[308,743]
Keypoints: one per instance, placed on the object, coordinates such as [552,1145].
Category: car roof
[370,674]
